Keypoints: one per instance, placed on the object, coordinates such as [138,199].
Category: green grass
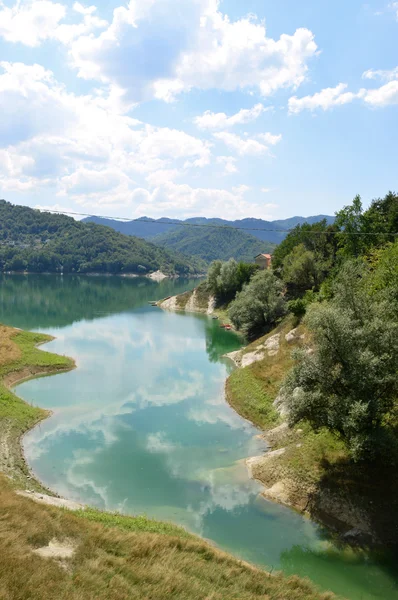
[248,396]
[251,391]
[139,523]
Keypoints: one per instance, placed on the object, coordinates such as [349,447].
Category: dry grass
[9,351]
[112,563]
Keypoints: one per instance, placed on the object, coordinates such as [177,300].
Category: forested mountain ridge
[34,241]
[275,231]
[211,244]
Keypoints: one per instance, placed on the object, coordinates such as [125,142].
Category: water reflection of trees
[370,575]
[29,301]
[219,341]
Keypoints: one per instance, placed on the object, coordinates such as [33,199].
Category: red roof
[265,256]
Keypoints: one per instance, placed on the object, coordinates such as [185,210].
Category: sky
[182,108]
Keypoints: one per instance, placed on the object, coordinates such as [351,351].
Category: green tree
[258,306]
[349,383]
[300,270]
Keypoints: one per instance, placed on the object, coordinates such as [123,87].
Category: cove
[142,426]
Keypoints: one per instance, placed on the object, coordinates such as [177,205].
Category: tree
[258,305]
[300,269]
[349,384]
[318,238]
[226,279]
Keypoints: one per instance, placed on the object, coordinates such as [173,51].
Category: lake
[141,425]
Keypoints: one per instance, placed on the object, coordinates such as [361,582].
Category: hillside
[149,228]
[211,244]
[43,242]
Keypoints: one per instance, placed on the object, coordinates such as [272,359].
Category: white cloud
[325,99]
[394,7]
[211,120]
[384,96]
[248,146]
[229,164]
[33,22]
[30,23]
[52,141]
[149,52]
[173,199]
[380,74]
[84,10]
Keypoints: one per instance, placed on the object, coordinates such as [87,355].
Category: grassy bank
[21,359]
[313,473]
[52,553]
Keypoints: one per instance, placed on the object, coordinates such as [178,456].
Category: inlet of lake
[141,426]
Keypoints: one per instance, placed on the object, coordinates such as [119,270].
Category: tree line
[42,242]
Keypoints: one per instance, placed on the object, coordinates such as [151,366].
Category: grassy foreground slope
[105,556]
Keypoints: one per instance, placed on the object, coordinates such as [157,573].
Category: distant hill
[211,244]
[39,242]
[275,231]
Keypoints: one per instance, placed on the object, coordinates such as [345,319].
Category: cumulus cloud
[211,120]
[330,97]
[148,52]
[248,146]
[386,75]
[229,164]
[325,99]
[384,96]
[33,22]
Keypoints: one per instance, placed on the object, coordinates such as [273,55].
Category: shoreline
[15,451]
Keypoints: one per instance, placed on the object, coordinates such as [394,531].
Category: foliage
[349,384]
[300,270]
[42,242]
[363,230]
[297,307]
[258,306]
[210,243]
[226,279]
[318,238]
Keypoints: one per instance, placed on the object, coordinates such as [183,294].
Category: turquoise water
[142,426]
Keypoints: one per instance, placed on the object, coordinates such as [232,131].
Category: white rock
[291,336]
[252,357]
[272,344]
[157,276]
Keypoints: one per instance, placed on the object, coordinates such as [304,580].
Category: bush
[258,305]
[297,307]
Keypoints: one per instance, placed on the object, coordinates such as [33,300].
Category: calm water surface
[142,426]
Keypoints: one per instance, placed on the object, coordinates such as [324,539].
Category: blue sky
[197,107]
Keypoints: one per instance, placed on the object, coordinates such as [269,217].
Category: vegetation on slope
[39,242]
[110,556]
[213,244]
[340,392]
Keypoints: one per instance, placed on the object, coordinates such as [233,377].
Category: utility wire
[210,226]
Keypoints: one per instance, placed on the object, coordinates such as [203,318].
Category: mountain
[275,231]
[34,241]
[210,243]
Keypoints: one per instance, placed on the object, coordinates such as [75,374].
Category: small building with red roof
[263,260]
